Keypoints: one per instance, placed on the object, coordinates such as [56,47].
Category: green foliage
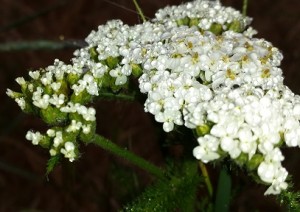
[223,195]
[176,191]
[124,182]
[52,163]
[290,199]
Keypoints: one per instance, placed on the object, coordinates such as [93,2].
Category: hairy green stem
[245,6]
[140,12]
[206,178]
[125,97]
[133,158]
[39,45]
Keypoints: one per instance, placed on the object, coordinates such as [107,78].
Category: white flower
[21,102]
[35,138]
[70,108]
[267,171]
[46,79]
[51,133]
[57,100]
[69,151]
[74,126]
[230,82]
[121,78]
[231,146]
[58,139]
[86,128]
[52,152]
[89,114]
[274,174]
[34,74]
[247,141]
[98,70]
[55,86]
[277,186]
[207,149]
[169,117]
[87,82]
[40,100]
[21,81]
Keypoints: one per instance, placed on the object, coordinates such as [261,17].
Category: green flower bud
[242,159]
[112,62]
[184,21]
[254,162]
[136,70]
[108,82]
[236,26]
[30,108]
[45,142]
[202,78]
[281,142]
[73,78]
[70,136]
[83,97]
[76,117]
[64,88]
[116,88]
[53,116]
[94,54]
[194,22]
[215,28]
[105,81]
[48,90]
[203,130]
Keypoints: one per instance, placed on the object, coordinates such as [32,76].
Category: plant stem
[206,178]
[133,158]
[39,45]
[125,97]
[245,6]
[139,10]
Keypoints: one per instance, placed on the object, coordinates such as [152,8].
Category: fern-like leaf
[290,199]
[175,192]
[52,163]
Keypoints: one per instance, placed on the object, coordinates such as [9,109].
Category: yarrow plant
[198,66]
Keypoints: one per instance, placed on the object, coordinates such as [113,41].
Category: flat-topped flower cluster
[199,66]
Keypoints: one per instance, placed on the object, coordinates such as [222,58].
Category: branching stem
[40,45]
[133,158]
[139,10]
[245,7]
[125,97]
[206,178]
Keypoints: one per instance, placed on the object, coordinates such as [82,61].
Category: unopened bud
[53,116]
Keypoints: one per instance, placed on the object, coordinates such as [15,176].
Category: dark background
[99,181]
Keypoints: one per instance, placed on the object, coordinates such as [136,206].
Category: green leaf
[223,192]
[176,191]
[288,198]
[52,163]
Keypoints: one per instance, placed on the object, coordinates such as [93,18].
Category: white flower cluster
[48,95]
[206,12]
[199,66]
